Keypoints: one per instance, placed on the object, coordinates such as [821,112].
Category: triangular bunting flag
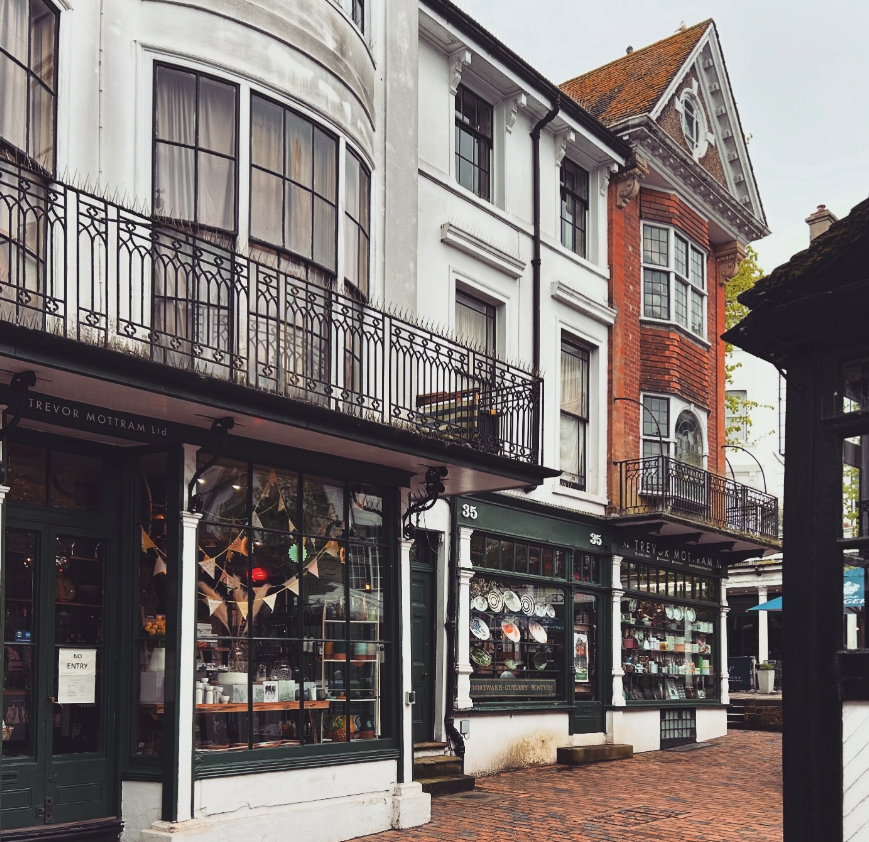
[239,545]
[292,585]
[208,566]
[270,601]
[159,566]
[254,519]
[242,607]
[213,605]
[313,568]
[147,543]
[331,548]
[273,478]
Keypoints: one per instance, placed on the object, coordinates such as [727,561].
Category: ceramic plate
[632,606]
[507,674]
[481,657]
[496,601]
[527,604]
[511,631]
[541,659]
[511,601]
[669,612]
[690,615]
[678,613]
[510,664]
[480,603]
[540,609]
[550,611]
[537,632]
[479,629]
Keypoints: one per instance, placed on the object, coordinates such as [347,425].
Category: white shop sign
[76,676]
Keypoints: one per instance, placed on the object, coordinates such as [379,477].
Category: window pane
[13,83]
[176,106]
[364,199]
[351,185]
[324,233]
[42,23]
[26,476]
[13,28]
[297,236]
[475,322]
[275,497]
[216,191]
[267,135]
[325,180]
[173,182]
[351,251]
[300,157]
[696,312]
[655,246]
[697,273]
[574,380]
[681,303]
[76,481]
[656,294]
[217,116]
[570,443]
[681,257]
[363,263]
[266,207]
[323,507]
[41,125]
[658,410]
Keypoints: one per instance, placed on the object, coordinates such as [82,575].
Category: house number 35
[596,539]
[469,511]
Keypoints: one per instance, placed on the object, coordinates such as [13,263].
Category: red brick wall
[647,357]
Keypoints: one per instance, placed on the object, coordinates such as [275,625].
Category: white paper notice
[76,676]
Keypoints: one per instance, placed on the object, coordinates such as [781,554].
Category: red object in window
[259,574]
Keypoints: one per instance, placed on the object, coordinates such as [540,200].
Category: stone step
[447,785]
[581,755]
[431,745]
[436,767]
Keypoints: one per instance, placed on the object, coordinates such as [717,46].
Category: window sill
[675,326]
[601,271]
[576,494]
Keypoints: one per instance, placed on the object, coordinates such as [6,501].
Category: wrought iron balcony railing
[663,484]
[81,267]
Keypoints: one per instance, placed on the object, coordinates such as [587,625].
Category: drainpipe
[454,737]
[535,261]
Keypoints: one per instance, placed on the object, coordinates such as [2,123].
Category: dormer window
[691,122]
[694,127]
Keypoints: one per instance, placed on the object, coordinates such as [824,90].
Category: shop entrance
[424,556]
[58,705]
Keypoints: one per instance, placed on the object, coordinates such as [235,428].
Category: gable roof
[633,84]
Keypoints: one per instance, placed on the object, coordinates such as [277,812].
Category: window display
[669,649]
[291,642]
[517,641]
[584,646]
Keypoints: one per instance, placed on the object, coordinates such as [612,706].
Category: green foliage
[766,666]
[850,499]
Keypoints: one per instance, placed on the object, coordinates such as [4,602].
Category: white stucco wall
[711,723]
[855,766]
[638,728]
[140,806]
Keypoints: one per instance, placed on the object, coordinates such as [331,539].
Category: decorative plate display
[480,603]
[511,601]
[540,609]
[550,611]
[507,674]
[479,629]
[496,600]
[527,604]
[481,657]
[537,632]
[511,631]
[510,664]
[690,615]
[632,606]
[678,613]
[541,659]
[668,610]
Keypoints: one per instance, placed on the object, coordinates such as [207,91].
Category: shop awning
[772,605]
[853,593]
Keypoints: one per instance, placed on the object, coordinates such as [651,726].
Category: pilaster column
[762,627]
[4,490]
[406,665]
[722,647]
[618,699]
[463,622]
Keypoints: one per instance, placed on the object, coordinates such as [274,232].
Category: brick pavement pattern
[727,791]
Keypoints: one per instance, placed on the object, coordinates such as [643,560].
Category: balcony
[79,267]
[663,485]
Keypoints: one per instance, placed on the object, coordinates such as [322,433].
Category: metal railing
[78,266]
[663,484]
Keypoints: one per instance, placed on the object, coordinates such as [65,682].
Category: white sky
[799,71]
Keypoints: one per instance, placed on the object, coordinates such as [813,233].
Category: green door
[422,577]
[58,751]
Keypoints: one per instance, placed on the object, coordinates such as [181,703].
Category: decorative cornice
[514,103]
[628,180]
[729,256]
[489,253]
[458,59]
[576,300]
[562,138]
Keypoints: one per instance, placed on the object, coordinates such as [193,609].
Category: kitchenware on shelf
[540,609]
[512,601]
[550,611]
[510,664]
[527,604]
[507,674]
[480,603]
[690,615]
[541,659]
[669,612]
[479,629]
[481,657]
[678,613]
[496,600]
[511,631]
[537,631]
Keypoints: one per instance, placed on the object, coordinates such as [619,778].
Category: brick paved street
[729,791]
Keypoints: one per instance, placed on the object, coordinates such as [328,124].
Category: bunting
[213,605]
[159,566]
[147,542]
[209,566]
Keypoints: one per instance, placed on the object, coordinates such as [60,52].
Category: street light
[737,447]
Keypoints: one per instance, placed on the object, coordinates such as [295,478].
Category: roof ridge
[676,34]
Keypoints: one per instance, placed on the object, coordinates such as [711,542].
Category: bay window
[674,279]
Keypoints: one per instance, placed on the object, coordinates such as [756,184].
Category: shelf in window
[242,707]
[341,622]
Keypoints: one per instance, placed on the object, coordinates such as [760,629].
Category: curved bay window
[292,645]
[669,634]
[689,439]
[28,81]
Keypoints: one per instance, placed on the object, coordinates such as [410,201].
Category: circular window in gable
[694,126]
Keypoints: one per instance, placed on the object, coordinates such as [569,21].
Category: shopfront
[671,651]
[537,618]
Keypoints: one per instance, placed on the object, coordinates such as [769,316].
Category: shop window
[574,207]
[678,727]
[28,81]
[587,568]
[56,478]
[294,183]
[585,647]
[518,638]
[292,644]
[670,646]
[473,143]
[575,363]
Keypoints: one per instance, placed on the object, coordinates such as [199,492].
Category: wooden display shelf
[242,707]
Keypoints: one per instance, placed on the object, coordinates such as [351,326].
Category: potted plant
[765,678]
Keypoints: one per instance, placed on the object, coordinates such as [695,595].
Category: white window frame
[698,146]
[580,347]
[680,280]
[676,406]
